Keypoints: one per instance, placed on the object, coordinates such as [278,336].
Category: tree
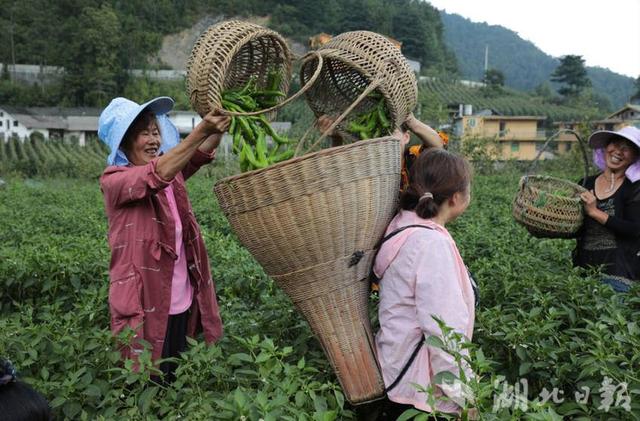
[544,91]
[573,74]
[493,78]
[494,81]
[92,66]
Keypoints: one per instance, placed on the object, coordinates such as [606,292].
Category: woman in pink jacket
[422,275]
[160,281]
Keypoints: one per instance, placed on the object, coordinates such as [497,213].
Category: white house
[51,122]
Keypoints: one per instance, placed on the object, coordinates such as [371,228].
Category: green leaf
[146,397]
[435,341]
[300,398]
[239,398]
[524,368]
[521,353]
[56,402]
[93,390]
[409,414]
[444,377]
[329,416]
[339,398]
[71,409]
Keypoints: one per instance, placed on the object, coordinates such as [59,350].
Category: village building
[629,115]
[516,137]
[70,124]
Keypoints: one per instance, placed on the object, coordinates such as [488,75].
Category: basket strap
[406,366]
[372,276]
[377,81]
[302,90]
[582,148]
[375,279]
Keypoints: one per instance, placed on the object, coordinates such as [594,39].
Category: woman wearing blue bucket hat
[160,281]
[610,236]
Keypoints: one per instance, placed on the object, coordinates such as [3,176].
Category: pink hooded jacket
[422,274]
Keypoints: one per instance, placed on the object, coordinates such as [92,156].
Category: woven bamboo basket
[550,207]
[312,222]
[352,62]
[227,55]
[544,211]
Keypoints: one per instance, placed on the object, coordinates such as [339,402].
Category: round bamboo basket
[352,61]
[227,55]
[312,223]
[549,207]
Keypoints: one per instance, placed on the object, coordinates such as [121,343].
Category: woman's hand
[590,207]
[205,136]
[213,123]
[590,201]
[426,134]
[323,123]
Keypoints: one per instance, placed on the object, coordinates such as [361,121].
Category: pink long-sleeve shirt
[422,274]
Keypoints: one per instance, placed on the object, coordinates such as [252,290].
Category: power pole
[486,58]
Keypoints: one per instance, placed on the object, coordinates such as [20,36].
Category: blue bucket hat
[118,116]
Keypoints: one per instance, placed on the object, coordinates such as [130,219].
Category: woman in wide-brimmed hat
[160,281]
[610,236]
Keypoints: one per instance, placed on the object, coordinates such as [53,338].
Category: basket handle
[302,90]
[377,81]
[553,136]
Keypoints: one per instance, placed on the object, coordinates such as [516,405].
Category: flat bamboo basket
[312,223]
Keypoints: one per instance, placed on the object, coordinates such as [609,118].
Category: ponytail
[435,177]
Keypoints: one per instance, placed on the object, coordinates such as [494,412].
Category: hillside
[509,102]
[524,65]
[99,41]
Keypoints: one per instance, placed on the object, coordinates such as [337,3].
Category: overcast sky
[605,33]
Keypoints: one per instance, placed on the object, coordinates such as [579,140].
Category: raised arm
[426,134]
[205,137]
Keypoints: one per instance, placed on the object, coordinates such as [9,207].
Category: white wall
[7,128]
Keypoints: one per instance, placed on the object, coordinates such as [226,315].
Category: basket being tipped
[549,207]
[352,61]
[228,55]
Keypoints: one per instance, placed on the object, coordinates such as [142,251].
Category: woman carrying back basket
[422,275]
[610,236]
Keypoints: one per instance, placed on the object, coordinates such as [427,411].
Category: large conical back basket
[227,55]
[312,222]
[353,61]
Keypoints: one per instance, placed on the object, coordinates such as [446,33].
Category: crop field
[550,342]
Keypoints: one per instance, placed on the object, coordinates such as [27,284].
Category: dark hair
[18,400]
[438,172]
[142,122]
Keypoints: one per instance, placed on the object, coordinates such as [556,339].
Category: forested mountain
[97,41]
[524,65]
